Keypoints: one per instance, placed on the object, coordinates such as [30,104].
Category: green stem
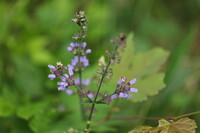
[87,129]
[185,115]
[151,118]
[80,85]
[111,111]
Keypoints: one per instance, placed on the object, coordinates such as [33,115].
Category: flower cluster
[123,88]
[85,82]
[78,49]
[67,80]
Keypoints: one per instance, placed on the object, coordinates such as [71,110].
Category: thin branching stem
[87,129]
[80,85]
[185,115]
[83,93]
[151,118]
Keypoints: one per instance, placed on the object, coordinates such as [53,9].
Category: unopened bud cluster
[82,21]
[120,41]
[115,57]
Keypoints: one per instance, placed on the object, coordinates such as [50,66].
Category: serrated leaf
[144,67]
[141,129]
[184,125]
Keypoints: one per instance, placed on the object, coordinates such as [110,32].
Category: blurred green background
[35,33]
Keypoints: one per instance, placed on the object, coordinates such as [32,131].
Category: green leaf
[27,111]
[6,108]
[144,67]
[184,125]
[37,50]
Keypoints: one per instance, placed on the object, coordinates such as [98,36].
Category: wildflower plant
[123,88]
[65,73]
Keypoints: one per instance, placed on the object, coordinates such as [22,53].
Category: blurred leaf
[29,77]
[144,67]
[29,110]
[141,129]
[184,125]
[38,52]
[40,123]
[6,108]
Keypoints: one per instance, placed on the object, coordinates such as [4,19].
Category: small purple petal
[75,61]
[61,88]
[70,70]
[66,75]
[114,96]
[121,95]
[77,81]
[84,60]
[88,51]
[51,66]
[124,95]
[127,95]
[119,82]
[51,76]
[69,92]
[84,44]
[132,81]
[69,49]
[86,82]
[90,95]
[133,90]
[59,83]
[76,45]
[63,78]
[72,44]
[64,84]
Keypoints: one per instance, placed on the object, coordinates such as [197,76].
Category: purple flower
[88,51]
[61,88]
[84,44]
[132,81]
[114,96]
[124,95]
[85,61]
[72,45]
[75,48]
[69,92]
[67,80]
[75,65]
[75,61]
[123,88]
[51,66]
[58,70]
[133,90]
[70,69]
[90,95]
[51,76]
[85,82]
[63,78]
[69,49]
